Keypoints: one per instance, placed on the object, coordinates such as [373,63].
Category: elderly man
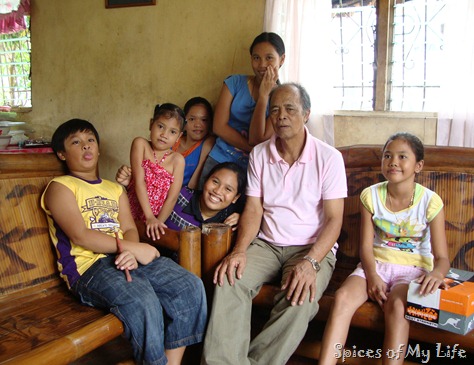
[288,231]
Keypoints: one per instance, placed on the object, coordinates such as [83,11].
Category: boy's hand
[126,260]
[154,228]
[145,253]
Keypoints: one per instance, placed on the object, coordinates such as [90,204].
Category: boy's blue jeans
[164,307]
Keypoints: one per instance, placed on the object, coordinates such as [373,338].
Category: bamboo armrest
[187,243]
[216,242]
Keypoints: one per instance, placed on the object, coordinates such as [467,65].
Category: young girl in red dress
[157,170]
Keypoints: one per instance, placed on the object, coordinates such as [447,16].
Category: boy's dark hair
[232,166]
[414,142]
[169,111]
[272,38]
[70,127]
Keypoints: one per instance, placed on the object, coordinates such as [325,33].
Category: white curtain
[304,26]
[456,113]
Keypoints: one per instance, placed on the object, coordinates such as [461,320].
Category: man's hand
[302,279]
[234,262]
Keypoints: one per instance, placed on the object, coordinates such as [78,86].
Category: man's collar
[304,157]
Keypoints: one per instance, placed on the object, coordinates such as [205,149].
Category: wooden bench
[40,320]
[450,172]
[42,323]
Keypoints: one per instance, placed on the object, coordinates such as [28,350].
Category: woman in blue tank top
[240,119]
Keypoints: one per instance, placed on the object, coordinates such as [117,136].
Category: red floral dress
[158,181]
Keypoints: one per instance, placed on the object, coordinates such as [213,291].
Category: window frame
[22,108]
[384,37]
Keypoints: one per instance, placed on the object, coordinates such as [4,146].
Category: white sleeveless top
[402,237]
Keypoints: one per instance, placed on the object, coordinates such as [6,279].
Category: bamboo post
[190,249]
[216,239]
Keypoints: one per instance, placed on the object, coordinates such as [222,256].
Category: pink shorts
[392,274]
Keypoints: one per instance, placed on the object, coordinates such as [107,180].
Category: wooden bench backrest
[449,171]
[27,258]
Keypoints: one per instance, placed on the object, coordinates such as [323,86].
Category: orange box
[451,310]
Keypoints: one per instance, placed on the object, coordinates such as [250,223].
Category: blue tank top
[191,163]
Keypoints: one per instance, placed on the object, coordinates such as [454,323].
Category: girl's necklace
[409,204]
[162,157]
[391,205]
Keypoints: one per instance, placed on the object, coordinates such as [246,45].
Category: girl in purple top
[217,203]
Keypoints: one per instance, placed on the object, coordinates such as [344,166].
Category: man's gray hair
[304,96]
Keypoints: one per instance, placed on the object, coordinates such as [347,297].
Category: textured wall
[376,127]
[111,66]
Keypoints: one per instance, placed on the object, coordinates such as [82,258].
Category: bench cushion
[40,320]
[48,315]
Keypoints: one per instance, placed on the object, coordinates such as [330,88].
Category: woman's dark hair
[232,166]
[70,127]
[198,100]
[169,111]
[414,142]
[272,38]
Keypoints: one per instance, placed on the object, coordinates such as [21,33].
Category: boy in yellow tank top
[163,308]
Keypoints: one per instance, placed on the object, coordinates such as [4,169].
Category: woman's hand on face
[233,220]
[269,81]
[124,175]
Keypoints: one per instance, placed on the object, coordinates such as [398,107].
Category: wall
[375,127]
[111,66]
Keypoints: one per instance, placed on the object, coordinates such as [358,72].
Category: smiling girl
[157,170]
[215,204]
[402,239]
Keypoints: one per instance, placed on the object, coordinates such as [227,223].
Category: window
[15,80]
[387,53]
